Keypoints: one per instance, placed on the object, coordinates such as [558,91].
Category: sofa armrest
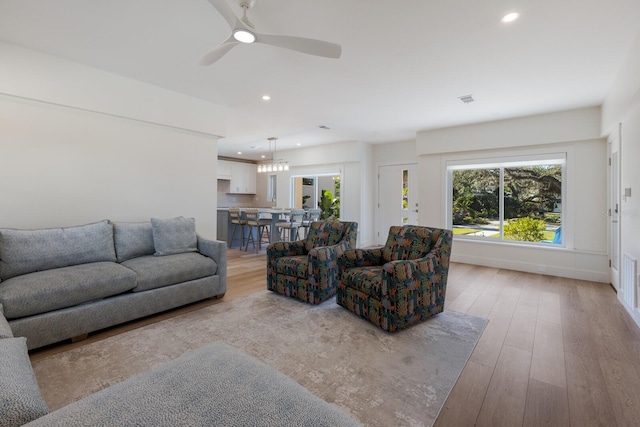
[217,251]
[5,329]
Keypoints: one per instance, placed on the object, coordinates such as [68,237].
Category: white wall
[622,105]
[352,160]
[585,222]
[80,145]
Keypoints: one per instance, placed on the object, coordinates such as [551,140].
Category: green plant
[327,204]
[525,229]
[304,201]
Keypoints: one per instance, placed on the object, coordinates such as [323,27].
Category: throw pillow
[174,235]
[20,397]
[133,240]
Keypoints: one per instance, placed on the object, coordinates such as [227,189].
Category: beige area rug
[379,379]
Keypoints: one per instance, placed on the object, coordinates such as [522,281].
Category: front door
[397,198]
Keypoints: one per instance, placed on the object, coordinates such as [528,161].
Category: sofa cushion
[297,266]
[20,397]
[174,235]
[132,239]
[5,329]
[406,243]
[156,272]
[324,233]
[28,251]
[50,290]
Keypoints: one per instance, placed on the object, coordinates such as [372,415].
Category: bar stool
[261,225]
[236,220]
[312,215]
[294,223]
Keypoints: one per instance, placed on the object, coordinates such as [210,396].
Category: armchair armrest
[217,251]
[411,282]
[280,249]
[324,269]
[360,258]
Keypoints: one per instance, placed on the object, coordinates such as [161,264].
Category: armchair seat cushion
[367,280]
[297,266]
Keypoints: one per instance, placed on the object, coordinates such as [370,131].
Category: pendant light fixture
[274,164]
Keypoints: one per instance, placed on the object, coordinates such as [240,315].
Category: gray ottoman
[214,385]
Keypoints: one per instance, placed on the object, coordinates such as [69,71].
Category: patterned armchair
[400,284]
[308,269]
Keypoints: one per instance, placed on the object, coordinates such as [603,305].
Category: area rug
[379,379]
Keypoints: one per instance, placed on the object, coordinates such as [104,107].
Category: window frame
[558,158]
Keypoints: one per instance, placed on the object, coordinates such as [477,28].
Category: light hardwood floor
[556,352]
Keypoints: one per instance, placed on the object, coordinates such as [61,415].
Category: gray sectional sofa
[214,385]
[63,283]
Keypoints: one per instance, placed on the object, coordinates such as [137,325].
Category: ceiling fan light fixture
[244,36]
[510,17]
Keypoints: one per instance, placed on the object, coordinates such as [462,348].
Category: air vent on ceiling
[466,98]
[324,127]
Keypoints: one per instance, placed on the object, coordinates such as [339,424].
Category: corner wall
[575,133]
[79,145]
[353,160]
[622,105]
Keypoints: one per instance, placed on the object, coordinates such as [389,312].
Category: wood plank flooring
[556,352]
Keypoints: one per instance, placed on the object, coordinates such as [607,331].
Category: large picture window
[515,200]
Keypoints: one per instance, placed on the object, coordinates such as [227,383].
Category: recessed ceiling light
[239,152]
[263,156]
[298,144]
[266,97]
[510,17]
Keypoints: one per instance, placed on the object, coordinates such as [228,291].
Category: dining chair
[290,228]
[310,216]
[235,216]
[260,225]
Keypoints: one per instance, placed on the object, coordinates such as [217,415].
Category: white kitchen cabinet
[224,169]
[243,178]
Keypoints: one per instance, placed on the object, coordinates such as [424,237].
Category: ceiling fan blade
[217,53]
[223,9]
[301,44]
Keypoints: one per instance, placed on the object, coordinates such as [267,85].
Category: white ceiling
[403,66]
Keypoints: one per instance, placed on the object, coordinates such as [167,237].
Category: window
[317,191]
[515,200]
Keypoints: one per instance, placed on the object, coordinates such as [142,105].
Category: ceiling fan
[242,31]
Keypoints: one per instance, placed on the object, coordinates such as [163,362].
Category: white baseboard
[572,273]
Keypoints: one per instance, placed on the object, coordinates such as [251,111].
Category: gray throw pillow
[133,240]
[174,235]
[20,397]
